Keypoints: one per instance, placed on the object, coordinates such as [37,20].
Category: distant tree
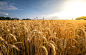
[81,18]
[26,19]
[23,19]
[2,18]
[12,18]
[16,18]
[8,18]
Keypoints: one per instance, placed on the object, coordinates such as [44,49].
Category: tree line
[9,18]
[81,18]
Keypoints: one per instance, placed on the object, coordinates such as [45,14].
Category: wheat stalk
[13,46]
[44,49]
[13,36]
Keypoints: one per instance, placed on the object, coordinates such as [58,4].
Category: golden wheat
[42,37]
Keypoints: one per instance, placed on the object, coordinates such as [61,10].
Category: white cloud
[58,16]
[20,9]
[51,16]
[7,6]
[3,13]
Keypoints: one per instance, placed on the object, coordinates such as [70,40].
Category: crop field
[43,37]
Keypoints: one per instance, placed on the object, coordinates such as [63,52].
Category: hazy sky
[49,9]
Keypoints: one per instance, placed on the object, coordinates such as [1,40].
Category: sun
[74,9]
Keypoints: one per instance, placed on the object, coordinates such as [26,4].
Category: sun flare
[74,9]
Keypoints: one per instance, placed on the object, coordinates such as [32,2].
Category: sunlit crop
[42,37]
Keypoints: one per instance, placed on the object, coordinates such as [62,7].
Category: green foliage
[12,19]
[23,19]
[2,18]
[8,18]
[81,18]
[16,19]
[26,19]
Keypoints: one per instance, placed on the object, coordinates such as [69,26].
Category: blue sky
[49,9]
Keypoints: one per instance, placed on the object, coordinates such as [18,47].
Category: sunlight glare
[74,9]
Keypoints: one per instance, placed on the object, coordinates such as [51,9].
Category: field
[43,37]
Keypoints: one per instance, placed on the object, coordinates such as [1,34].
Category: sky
[49,9]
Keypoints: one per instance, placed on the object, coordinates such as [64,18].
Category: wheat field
[43,37]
